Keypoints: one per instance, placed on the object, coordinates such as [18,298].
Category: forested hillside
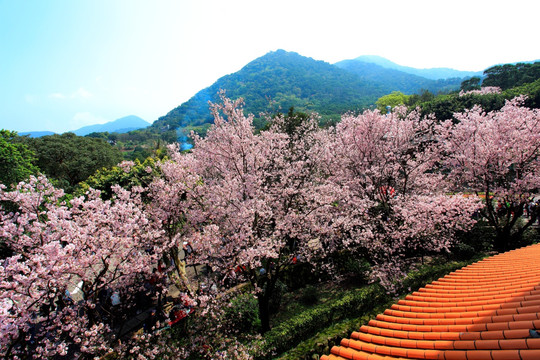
[396,80]
[277,81]
[280,80]
[273,83]
[433,73]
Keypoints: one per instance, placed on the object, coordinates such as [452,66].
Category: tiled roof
[481,312]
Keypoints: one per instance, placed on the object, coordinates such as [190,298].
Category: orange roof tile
[481,312]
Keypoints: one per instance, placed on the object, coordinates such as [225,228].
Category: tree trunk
[268,288]
[264,311]
[502,239]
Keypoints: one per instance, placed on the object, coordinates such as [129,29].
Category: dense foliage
[396,98]
[16,159]
[138,144]
[396,80]
[444,106]
[127,174]
[69,159]
[497,154]
[509,76]
[227,222]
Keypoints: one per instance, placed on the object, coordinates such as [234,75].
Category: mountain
[397,80]
[122,125]
[281,79]
[36,134]
[277,81]
[433,73]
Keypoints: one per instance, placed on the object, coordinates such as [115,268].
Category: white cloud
[80,93]
[57,96]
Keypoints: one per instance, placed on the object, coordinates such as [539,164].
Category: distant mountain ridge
[396,80]
[122,125]
[281,79]
[36,134]
[275,82]
[432,73]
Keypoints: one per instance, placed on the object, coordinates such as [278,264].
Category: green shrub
[310,295]
[299,275]
[275,299]
[357,268]
[478,240]
[531,235]
[242,314]
[353,308]
[291,332]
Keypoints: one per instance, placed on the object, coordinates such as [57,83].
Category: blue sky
[66,64]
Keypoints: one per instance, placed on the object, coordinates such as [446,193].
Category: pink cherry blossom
[496,154]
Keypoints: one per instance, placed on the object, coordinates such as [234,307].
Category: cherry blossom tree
[482,91]
[170,207]
[77,267]
[250,205]
[244,206]
[255,204]
[395,204]
[496,155]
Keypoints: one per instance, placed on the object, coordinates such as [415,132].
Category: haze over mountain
[122,125]
[433,73]
[397,80]
[36,134]
[280,80]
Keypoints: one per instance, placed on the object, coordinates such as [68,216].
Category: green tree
[393,99]
[16,160]
[126,174]
[70,159]
[508,75]
[471,84]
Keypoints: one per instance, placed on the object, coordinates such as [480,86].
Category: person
[151,321]
[115,298]
[64,300]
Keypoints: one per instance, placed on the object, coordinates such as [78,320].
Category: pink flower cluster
[482,91]
[244,206]
[67,257]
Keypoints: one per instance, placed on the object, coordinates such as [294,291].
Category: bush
[242,314]
[299,275]
[354,305]
[275,299]
[291,332]
[310,295]
[531,235]
[478,240]
[357,268]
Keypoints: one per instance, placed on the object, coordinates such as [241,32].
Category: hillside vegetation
[280,80]
[274,83]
